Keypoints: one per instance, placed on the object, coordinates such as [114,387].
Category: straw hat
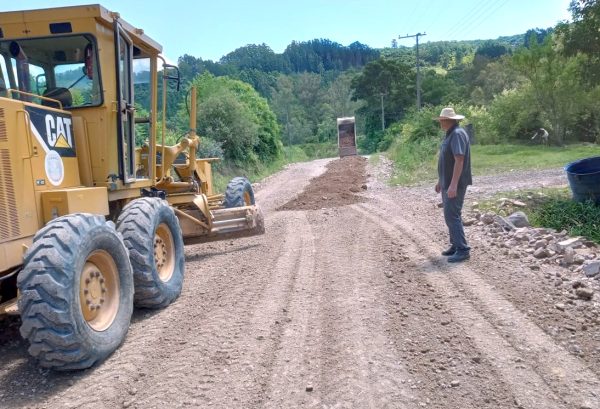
[448,113]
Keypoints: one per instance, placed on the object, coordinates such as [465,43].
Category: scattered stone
[584,293]
[519,219]
[309,388]
[455,384]
[591,268]
[569,256]
[518,203]
[559,306]
[504,223]
[469,222]
[541,253]
[488,218]
[574,242]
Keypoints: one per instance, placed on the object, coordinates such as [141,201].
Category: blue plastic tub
[584,179]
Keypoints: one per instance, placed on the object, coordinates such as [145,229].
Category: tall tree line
[511,85]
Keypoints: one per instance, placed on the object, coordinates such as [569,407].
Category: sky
[210,29]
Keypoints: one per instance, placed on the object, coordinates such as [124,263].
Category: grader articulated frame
[94,208]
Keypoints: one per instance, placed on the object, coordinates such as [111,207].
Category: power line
[410,18]
[478,18]
[473,27]
[468,18]
[475,11]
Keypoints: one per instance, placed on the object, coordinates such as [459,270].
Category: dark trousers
[452,211]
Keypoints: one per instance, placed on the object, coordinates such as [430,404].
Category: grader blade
[229,224]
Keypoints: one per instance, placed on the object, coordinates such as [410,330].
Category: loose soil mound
[336,187]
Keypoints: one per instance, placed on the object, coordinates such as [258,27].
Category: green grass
[414,162]
[578,219]
[417,161]
[490,159]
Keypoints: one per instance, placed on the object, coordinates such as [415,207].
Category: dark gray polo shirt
[456,142]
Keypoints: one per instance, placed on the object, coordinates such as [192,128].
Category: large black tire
[76,292]
[153,236]
[239,193]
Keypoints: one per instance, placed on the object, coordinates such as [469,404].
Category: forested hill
[319,55]
[253,101]
[310,56]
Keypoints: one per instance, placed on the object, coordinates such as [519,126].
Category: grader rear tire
[239,193]
[76,292]
[153,236]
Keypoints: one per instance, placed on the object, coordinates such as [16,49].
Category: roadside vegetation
[416,162]
[258,110]
[551,208]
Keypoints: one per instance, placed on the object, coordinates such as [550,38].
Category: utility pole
[382,114]
[418,70]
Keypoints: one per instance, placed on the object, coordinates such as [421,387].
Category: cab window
[63,69]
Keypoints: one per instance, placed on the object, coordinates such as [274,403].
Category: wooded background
[253,101]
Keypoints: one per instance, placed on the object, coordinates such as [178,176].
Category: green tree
[284,101]
[583,36]
[339,96]
[554,81]
[232,113]
[439,89]
[493,79]
[390,80]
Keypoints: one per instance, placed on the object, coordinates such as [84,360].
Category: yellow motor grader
[94,207]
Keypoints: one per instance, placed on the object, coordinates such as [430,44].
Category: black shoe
[458,257]
[450,251]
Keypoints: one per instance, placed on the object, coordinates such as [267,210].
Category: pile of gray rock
[536,247]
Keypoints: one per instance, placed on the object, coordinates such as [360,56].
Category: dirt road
[342,307]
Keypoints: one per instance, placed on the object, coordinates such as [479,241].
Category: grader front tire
[153,236]
[239,193]
[76,292]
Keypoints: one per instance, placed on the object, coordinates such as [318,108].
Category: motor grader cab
[94,207]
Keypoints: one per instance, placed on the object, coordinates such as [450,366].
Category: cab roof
[30,23]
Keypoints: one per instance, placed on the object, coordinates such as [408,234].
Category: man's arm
[459,161]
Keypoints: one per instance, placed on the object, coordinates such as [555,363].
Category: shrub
[579,219]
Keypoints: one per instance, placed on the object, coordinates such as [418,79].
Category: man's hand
[438,189]
[459,161]
[451,192]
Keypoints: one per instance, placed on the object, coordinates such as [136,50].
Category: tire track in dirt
[541,373]
[292,356]
[239,336]
[273,314]
[353,364]
[182,355]
[194,351]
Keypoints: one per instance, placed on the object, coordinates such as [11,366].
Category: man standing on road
[454,175]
